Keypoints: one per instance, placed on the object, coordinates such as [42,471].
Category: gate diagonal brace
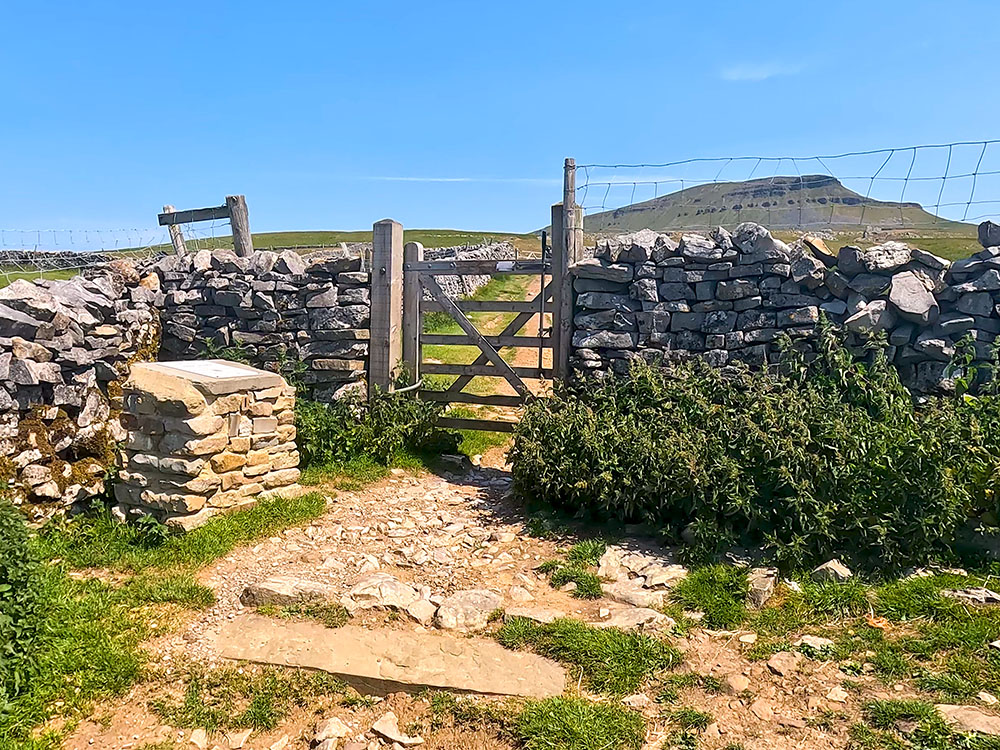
[503,369]
[512,328]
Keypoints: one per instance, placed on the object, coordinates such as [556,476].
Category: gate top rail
[477,267]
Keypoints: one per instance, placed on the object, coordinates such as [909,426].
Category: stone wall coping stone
[212,376]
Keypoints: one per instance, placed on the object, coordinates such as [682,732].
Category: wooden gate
[400,278]
[423,293]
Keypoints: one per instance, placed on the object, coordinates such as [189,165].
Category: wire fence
[63,253]
[940,186]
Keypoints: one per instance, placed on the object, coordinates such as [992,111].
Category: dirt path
[448,534]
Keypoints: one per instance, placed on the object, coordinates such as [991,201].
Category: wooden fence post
[239,220]
[176,236]
[387,303]
[413,252]
[567,249]
[573,219]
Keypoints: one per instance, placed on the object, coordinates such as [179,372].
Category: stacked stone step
[727,298]
[64,347]
[198,446]
[276,310]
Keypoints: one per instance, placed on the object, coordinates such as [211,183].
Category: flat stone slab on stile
[214,376]
[382,661]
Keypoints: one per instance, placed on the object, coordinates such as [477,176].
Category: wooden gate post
[387,304]
[239,220]
[413,252]
[567,249]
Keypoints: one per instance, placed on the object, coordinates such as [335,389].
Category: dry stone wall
[463,286]
[305,316]
[728,297]
[65,347]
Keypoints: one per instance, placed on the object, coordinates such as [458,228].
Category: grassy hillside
[778,202]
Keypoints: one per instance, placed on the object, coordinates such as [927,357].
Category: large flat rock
[384,661]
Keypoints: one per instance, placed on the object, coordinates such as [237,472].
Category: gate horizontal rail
[476,267]
[486,305]
[461,397]
[459,339]
[435,368]
[489,425]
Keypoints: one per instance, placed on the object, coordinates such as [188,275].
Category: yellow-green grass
[9,276]
[311,240]
[948,243]
[95,624]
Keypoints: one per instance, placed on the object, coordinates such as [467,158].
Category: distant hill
[776,202]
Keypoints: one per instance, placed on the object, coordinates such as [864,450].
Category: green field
[306,241]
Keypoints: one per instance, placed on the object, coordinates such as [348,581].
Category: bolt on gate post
[567,249]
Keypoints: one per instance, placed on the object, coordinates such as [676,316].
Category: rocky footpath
[728,297]
[65,347]
[423,564]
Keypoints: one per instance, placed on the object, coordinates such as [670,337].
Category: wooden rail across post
[239,220]
[176,236]
[385,347]
[413,252]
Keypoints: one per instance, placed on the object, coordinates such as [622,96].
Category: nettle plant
[830,456]
[383,426]
[21,602]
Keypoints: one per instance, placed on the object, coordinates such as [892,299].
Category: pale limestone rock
[970,719]
[761,586]
[467,610]
[632,592]
[284,591]
[785,663]
[379,591]
[388,727]
[834,570]
[634,618]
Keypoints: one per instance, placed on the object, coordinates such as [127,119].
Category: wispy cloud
[755,72]
[527,180]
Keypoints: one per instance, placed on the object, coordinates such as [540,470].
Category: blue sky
[331,115]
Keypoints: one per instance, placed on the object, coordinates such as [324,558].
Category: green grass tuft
[690,718]
[588,585]
[560,723]
[587,552]
[610,660]
[720,591]
[231,698]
